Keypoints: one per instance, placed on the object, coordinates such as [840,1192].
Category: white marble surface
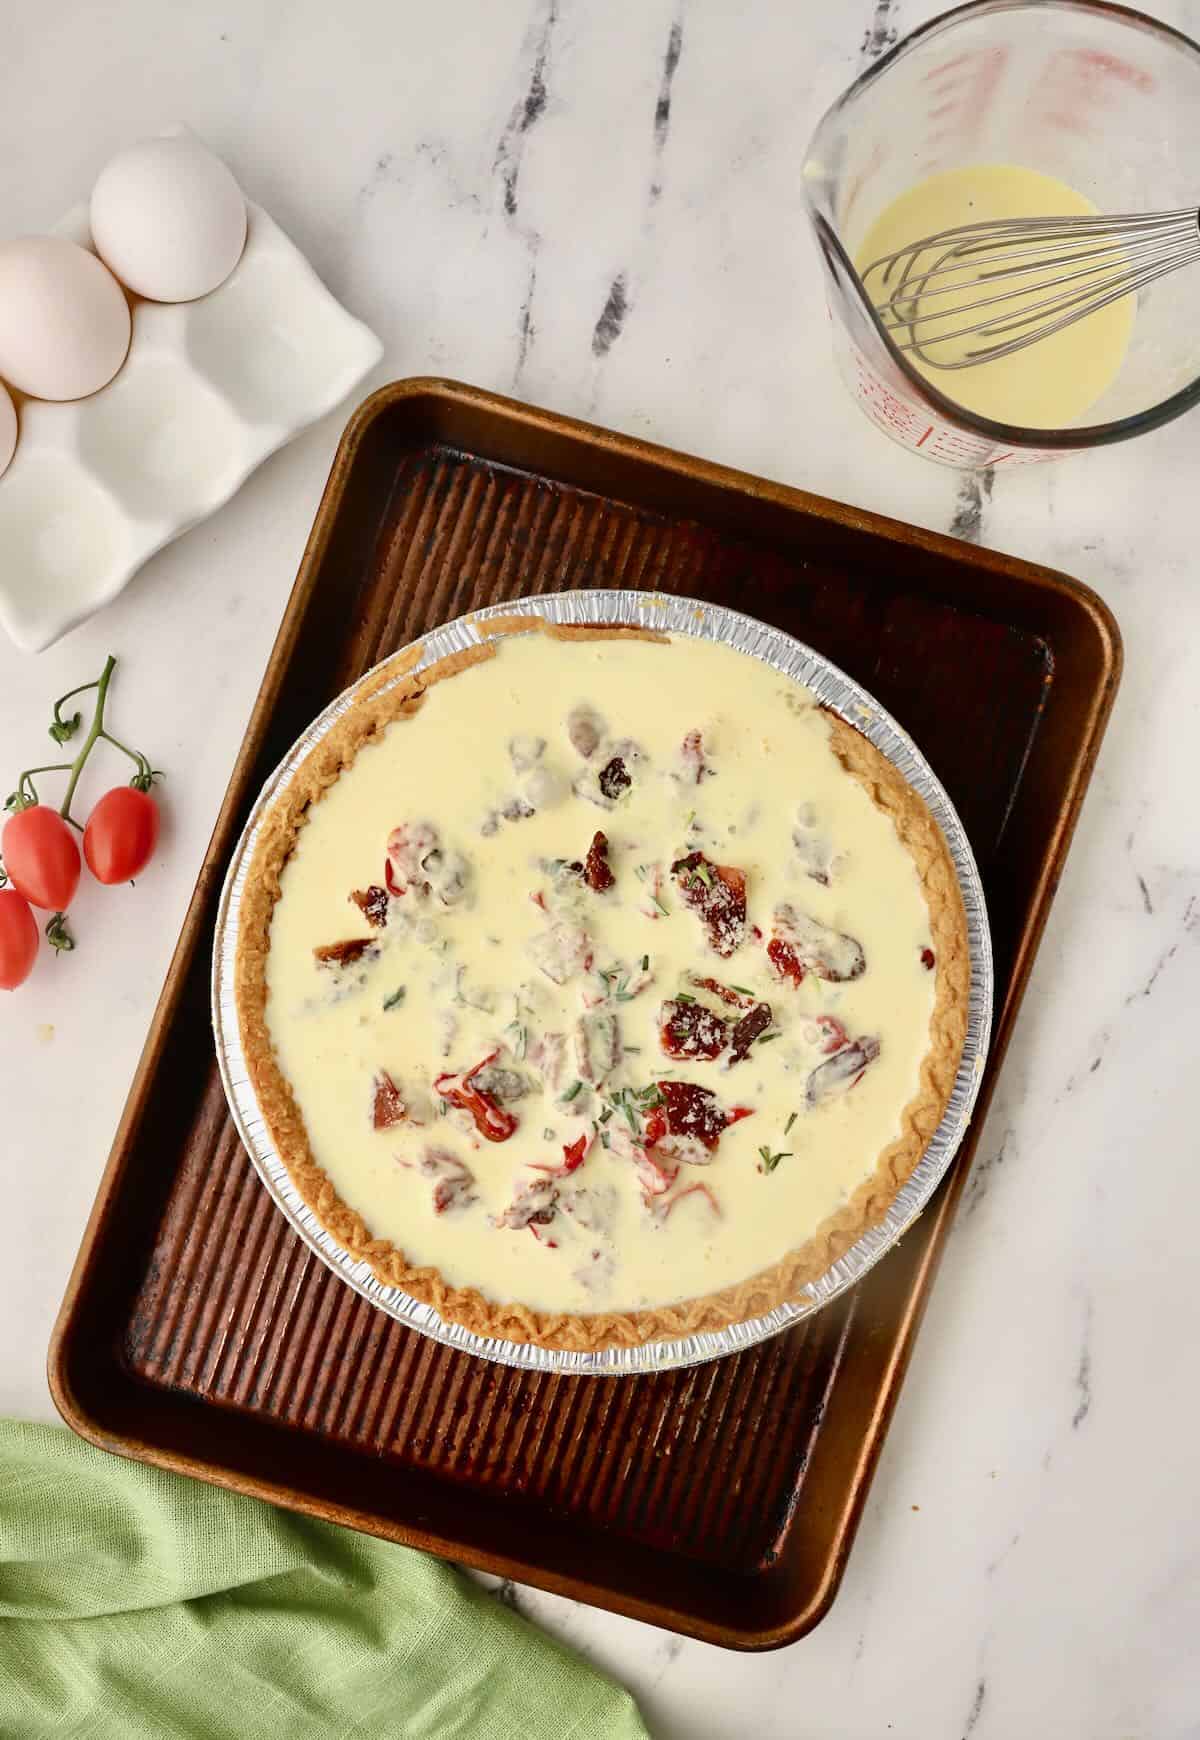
[473,179]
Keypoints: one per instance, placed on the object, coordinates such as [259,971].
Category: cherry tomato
[18,939]
[121,833]
[41,857]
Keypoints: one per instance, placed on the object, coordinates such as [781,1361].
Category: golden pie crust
[370,713]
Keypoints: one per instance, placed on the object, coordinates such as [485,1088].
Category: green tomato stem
[89,742]
[57,934]
[142,765]
[144,775]
[26,795]
[70,696]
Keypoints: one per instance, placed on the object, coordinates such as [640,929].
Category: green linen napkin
[138,1605]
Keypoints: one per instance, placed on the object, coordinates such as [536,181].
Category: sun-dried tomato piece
[574,1154]
[534,1206]
[491,1120]
[727,994]
[928,959]
[691,1110]
[688,1029]
[839,1073]
[373,903]
[834,1035]
[655,1174]
[419,861]
[829,953]
[747,1031]
[343,954]
[408,848]
[614,778]
[453,1180]
[718,893]
[785,960]
[693,766]
[664,1208]
[596,871]
[388,1106]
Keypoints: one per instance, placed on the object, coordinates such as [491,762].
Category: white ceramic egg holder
[209,389]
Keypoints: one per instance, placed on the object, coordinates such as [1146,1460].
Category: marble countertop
[595,207]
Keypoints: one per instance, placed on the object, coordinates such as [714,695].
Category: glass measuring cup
[1101,97]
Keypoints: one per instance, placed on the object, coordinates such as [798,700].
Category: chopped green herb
[604,1139]
[520,1038]
[788,1125]
[645,963]
[766,1038]
[396,997]
[632,1048]
[548,1134]
[684,997]
[606,1114]
[742,990]
[770,1161]
[573,1092]
[622,1101]
[661,905]
[691,821]
[640,871]
[705,874]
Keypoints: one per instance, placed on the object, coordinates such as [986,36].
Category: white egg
[8,430]
[169,219]
[64,322]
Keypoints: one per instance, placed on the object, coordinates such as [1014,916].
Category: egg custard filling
[599,986]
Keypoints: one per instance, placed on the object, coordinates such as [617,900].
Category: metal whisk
[1070,267]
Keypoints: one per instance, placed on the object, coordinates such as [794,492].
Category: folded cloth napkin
[138,1605]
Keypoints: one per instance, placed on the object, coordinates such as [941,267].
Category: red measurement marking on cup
[1079,87]
[1113,66]
[945,66]
[963,90]
[909,425]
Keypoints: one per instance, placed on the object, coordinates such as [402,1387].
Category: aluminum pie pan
[831,686]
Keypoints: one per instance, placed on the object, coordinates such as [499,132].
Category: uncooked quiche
[599,986]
